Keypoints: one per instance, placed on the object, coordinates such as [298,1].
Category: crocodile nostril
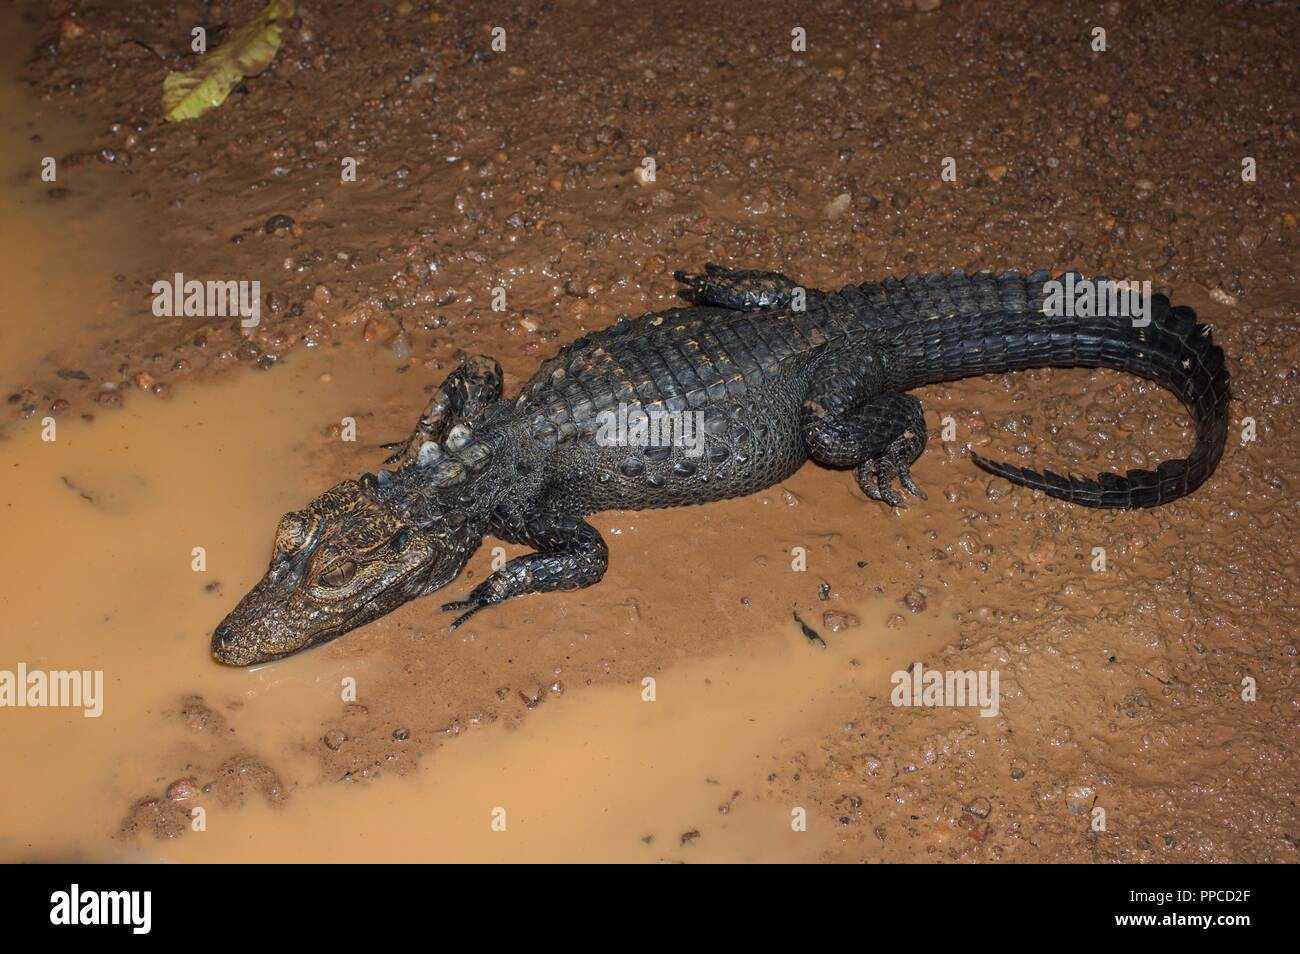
[223,637]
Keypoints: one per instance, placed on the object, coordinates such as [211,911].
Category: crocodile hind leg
[571,555]
[901,416]
[847,422]
[737,288]
[464,394]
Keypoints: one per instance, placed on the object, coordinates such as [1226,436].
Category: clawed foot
[876,477]
[695,283]
[469,606]
[741,289]
[399,447]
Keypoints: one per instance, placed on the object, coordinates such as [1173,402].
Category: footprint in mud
[162,817]
[242,776]
[170,816]
[237,778]
[198,716]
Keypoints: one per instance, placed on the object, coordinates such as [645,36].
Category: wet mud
[1147,707]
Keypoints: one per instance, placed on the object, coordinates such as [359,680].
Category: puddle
[601,776]
[110,513]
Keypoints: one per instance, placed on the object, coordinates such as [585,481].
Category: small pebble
[838,622]
[1079,799]
[277,224]
[838,206]
[182,789]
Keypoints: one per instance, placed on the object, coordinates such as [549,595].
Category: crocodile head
[345,560]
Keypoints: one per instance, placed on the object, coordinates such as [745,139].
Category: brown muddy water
[602,775]
[176,440]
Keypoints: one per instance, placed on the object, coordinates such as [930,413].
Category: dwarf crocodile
[756,375]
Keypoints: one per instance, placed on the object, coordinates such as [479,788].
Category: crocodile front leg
[464,394]
[571,555]
[737,288]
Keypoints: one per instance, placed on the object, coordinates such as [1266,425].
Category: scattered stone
[1042,551]
[1079,800]
[182,789]
[997,488]
[277,225]
[838,622]
[839,205]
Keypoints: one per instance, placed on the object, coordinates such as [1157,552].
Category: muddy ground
[477,169]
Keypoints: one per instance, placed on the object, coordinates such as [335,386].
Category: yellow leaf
[247,52]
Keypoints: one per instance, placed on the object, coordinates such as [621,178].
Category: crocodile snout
[226,647]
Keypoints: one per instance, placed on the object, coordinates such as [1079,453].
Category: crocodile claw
[698,284]
[398,448]
[876,476]
[470,606]
[905,478]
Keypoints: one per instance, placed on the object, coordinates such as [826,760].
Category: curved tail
[1010,322]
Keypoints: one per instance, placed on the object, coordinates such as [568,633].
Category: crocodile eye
[340,574]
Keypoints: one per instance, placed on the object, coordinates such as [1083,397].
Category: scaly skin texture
[755,377]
